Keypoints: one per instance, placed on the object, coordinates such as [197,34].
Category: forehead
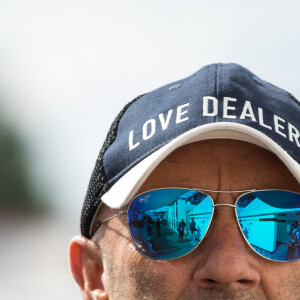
[221,164]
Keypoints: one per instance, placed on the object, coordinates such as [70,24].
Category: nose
[226,263]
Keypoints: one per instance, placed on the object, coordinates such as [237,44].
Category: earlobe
[87,268]
[98,295]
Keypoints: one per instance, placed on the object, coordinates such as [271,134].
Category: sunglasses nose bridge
[225,204]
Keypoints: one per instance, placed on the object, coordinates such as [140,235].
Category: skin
[109,267]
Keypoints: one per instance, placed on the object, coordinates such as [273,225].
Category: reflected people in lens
[294,242]
[172,224]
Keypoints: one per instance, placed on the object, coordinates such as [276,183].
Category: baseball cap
[218,101]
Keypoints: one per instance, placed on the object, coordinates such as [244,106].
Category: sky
[68,67]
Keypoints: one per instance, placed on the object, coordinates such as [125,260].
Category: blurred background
[67,68]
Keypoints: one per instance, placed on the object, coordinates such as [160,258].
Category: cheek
[281,271]
[125,254]
[281,279]
[117,245]
[135,274]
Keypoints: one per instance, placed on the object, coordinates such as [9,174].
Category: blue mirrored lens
[270,223]
[169,223]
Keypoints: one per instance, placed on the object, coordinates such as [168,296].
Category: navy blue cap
[222,96]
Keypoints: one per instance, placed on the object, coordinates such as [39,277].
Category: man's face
[223,266]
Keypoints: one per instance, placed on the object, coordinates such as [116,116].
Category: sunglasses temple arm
[98,224]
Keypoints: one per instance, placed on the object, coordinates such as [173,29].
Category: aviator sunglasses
[169,223]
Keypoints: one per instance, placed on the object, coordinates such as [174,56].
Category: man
[193,230]
[157,225]
[223,138]
[294,241]
[181,227]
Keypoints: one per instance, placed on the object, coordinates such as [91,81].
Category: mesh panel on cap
[98,183]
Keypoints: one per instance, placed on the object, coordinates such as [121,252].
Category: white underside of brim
[128,185]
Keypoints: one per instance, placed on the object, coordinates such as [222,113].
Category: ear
[87,268]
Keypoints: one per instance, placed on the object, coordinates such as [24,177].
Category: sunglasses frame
[244,192]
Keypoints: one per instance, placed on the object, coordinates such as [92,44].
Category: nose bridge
[226,223]
[226,257]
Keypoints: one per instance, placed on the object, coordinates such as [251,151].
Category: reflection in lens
[270,223]
[169,223]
